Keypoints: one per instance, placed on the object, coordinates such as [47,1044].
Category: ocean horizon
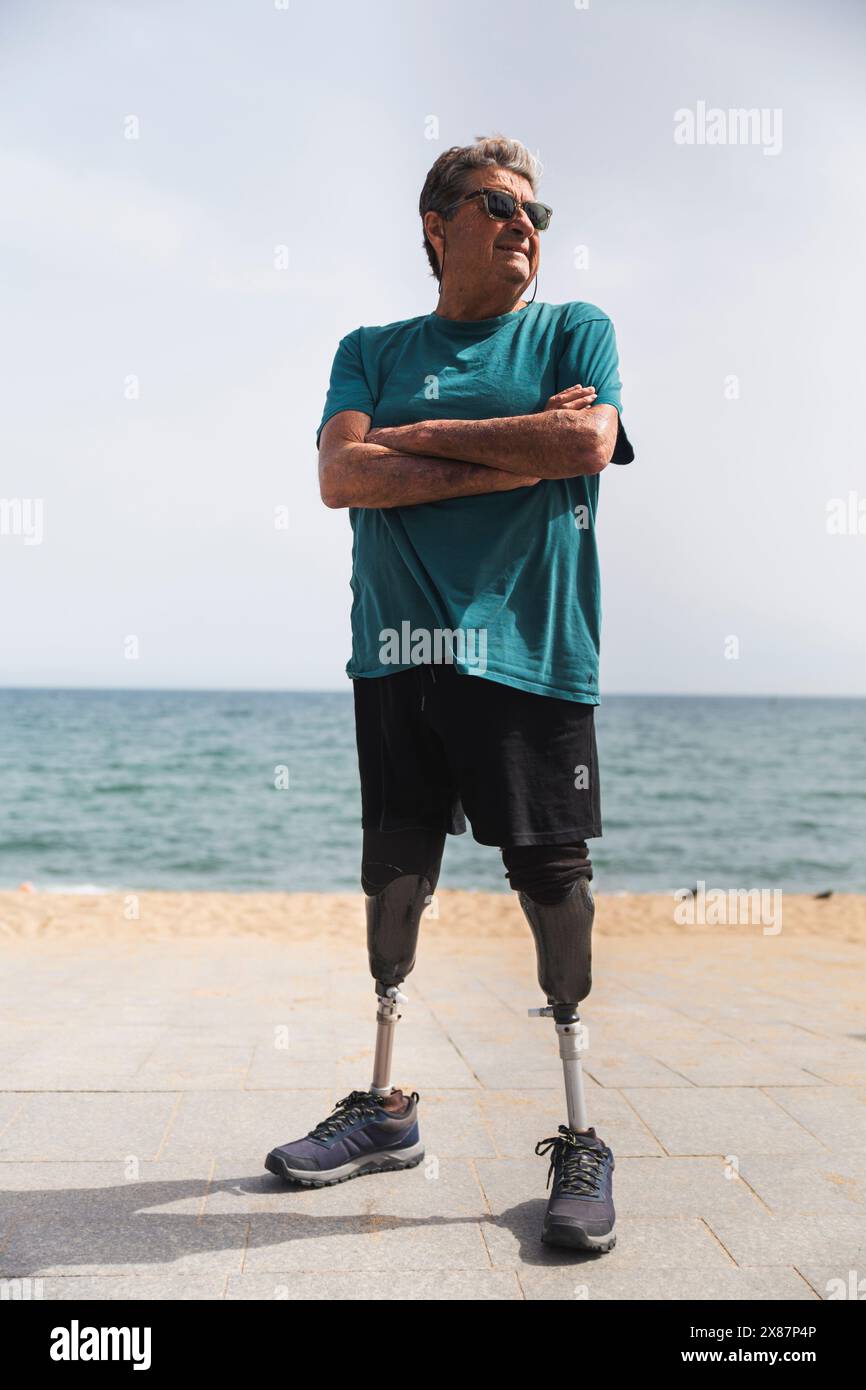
[111,789]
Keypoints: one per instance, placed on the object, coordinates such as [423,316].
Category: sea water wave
[113,790]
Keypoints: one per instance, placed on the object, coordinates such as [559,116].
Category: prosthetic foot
[362,1135]
[374,1131]
[580,1210]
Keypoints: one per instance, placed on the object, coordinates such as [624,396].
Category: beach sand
[458,914]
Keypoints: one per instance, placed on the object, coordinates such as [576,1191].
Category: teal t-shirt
[513,577]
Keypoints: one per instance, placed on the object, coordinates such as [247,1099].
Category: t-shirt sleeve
[349,388]
[589,356]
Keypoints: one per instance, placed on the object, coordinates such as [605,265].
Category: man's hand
[570,437]
[572,398]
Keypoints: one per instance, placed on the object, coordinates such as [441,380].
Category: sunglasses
[502,206]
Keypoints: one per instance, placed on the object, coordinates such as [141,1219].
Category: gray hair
[447,181]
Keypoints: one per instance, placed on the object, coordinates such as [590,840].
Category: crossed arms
[437,459]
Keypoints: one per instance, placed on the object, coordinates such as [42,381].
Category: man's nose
[520,226]
[521,222]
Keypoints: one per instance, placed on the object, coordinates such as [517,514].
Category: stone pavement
[145,1080]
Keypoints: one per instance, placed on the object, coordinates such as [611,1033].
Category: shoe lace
[582,1165]
[345,1112]
[349,1109]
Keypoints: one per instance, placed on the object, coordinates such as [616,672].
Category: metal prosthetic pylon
[393,921]
[571,1035]
[563,943]
[386,1022]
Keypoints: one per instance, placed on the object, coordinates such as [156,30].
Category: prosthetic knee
[560,909]
[399,874]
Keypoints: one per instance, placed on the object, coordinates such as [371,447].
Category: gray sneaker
[580,1210]
[364,1133]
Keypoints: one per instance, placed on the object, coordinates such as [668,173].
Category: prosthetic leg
[393,920]
[563,945]
[371,1131]
[580,1212]
[377,1130]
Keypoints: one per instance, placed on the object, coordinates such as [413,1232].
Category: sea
[107,790]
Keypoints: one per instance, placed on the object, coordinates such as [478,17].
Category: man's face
[479,250]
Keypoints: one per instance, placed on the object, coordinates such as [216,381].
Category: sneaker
[580,1207]
[364,1133]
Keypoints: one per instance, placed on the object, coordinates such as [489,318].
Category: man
[475,628]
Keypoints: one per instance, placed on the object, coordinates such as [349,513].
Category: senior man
[475,633]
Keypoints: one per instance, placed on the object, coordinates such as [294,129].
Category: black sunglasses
[502,206]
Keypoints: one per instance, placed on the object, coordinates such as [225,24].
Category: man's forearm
[370,475]
[549,444]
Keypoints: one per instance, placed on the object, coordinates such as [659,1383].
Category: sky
[201,198]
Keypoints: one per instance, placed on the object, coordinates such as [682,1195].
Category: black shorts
[435,746]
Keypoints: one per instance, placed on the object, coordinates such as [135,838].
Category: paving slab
[835,1283]
[113,1287]
[767,1238]
[832,1184]
[87,1125]
[145,1080]
[435,1188]
[138,1243]
[83,1192]
[609,1281]
[283,1243]
[429,1286]
[733,1120]
[836,1115]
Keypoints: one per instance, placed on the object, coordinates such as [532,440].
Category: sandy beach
[462,915]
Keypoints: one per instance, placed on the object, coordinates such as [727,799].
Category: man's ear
[434,228]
